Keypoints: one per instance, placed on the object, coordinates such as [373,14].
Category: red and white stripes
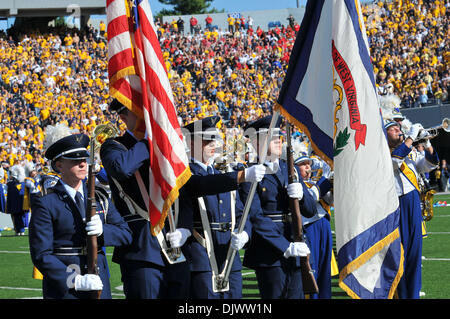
[138,78]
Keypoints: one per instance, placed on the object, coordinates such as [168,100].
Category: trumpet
[434,131]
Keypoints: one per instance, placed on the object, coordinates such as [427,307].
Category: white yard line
[21,288]
[248,273]
[438,233]
[13,252]
[436,259]
[39,289]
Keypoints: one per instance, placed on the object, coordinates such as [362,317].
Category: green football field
[16,268]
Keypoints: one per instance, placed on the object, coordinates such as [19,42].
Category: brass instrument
[232,152]
[102,132]
[427,204]
[426,198]
[434,131]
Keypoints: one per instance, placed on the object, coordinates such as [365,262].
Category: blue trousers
[320,242]
[26,219]
[142,280]
[201,286]
[280,282]
[411,237]
[18,221]
[177,277]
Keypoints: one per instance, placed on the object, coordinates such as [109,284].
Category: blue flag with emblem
[329,92]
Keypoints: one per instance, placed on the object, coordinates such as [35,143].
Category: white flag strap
[160,236]
[208,242]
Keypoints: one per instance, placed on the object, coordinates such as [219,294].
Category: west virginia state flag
[329,91]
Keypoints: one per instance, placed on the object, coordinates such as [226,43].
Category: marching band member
[271,252]
[407,167]
[57,228]
[15,198]
[318,228]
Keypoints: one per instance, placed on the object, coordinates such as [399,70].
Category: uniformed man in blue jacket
[57,234]
[217,213]
[271,251]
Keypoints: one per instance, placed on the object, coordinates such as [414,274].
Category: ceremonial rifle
[308,280]
[92,245]
[100,134]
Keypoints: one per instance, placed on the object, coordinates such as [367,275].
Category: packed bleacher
[61,75]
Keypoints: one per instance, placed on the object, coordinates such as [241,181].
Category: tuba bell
[102,132]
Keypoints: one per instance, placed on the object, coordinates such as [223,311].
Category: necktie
[210,170]
[80,203]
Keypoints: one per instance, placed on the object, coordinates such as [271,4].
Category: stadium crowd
[61,75]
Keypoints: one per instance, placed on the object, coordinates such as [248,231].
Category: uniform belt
[222,227]
[71,251]
[280,218]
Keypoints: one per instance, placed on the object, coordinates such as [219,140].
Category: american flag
[138,79]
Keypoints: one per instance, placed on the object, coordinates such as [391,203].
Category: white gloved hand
[255,173]
[95,226]
[297,249]
[295,190]
[88,282]
[423,134]
[326,171]
[238,240]
[178,237]
[316,163]
[427,144]
[414,131]
[271,167]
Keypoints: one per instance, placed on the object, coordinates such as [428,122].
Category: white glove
[295,190]
[316,164]
[88,282]
[178,237]
[326,171]
[238,240]
[95,226]
[271,167]
[427,144]
[255,173]
[297,249]
[423,134]
[414,131]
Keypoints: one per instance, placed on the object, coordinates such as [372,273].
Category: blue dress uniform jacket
[56,222]
[219,211]
[14,204]
[121,158]
[218,206]
[178,275]
[277,276]
[143,264]
[270,239]
[14,200]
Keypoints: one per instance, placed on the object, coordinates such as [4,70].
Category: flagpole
[221,282]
